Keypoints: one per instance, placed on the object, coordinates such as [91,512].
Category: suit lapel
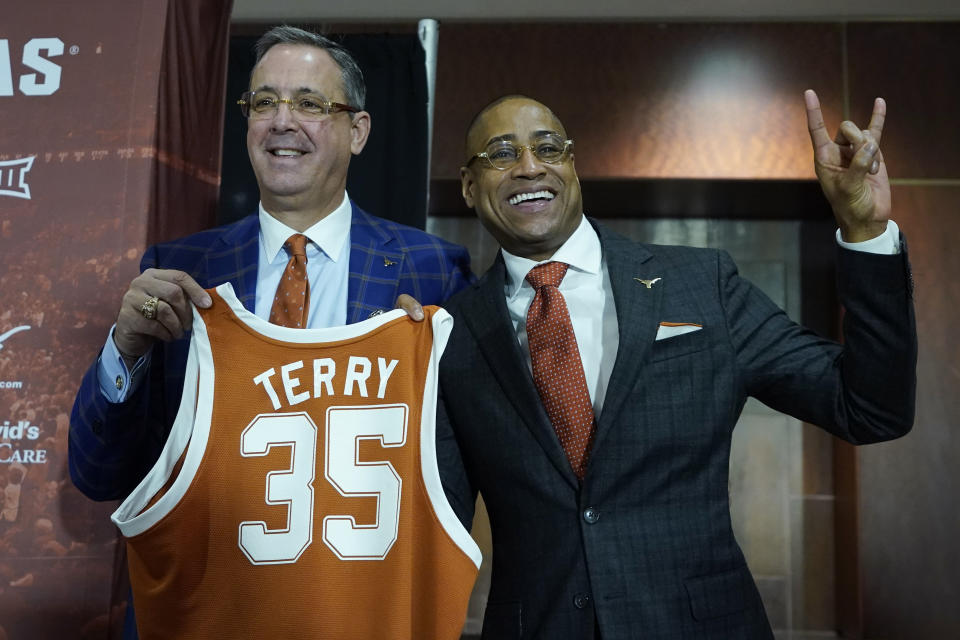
[234,258]
[638,316]
[371,260]
[487,318]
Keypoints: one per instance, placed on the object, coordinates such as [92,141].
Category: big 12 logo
[45,80]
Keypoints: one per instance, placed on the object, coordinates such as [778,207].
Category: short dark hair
[354,88]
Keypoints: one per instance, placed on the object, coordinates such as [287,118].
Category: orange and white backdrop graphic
[96,161]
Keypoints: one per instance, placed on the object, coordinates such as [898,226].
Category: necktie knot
[296,245]
[548,274]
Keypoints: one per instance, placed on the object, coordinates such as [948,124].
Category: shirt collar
[328,234]
[581,251]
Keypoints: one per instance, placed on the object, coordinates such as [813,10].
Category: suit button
[591,515]
[581,600]
[97,428]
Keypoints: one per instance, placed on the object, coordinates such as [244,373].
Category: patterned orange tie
[557,368]
[292,302]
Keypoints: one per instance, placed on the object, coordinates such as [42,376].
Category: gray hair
[354,88]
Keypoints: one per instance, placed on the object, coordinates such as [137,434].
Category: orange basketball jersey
[298,494]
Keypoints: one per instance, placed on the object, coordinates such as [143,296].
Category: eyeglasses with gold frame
[263,105]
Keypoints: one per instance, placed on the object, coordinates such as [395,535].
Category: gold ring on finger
[149,308]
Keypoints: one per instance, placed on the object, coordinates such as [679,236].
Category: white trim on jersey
[190,430]
[303,336]
[442,326]
[191,427]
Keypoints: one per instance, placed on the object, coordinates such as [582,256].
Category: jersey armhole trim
[442,323]
[190,431]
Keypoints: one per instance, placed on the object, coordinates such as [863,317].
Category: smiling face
[532,207]
[301,167]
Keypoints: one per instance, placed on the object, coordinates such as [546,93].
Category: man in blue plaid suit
[305,121]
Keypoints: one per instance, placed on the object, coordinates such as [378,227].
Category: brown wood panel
[848,572]
[676,198]
[814,601]
[914,67]
[908,500]
[649,100]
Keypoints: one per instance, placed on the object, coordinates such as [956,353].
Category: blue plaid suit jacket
[112,446]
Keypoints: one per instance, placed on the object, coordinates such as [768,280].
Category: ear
[359,131]
[466,186]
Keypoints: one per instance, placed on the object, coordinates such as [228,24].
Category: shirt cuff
[887,243]
[115,380]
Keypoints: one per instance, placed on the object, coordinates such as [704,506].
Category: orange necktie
[557,368]
[292,302]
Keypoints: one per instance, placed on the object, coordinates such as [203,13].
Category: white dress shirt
[328,265]
[589,296]
[328,272]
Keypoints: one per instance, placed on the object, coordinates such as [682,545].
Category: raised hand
[851,171]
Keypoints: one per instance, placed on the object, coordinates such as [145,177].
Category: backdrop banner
[112,118]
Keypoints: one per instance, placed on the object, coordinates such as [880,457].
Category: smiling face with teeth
[301,167]
[532,207]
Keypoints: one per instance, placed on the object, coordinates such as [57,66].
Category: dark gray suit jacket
[645,546]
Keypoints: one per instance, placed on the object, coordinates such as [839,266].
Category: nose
[528,165]
[283,118]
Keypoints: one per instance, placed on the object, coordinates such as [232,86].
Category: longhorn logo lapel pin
[648,283]
[387,262]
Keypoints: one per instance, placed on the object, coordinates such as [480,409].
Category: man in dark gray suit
[634,540]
